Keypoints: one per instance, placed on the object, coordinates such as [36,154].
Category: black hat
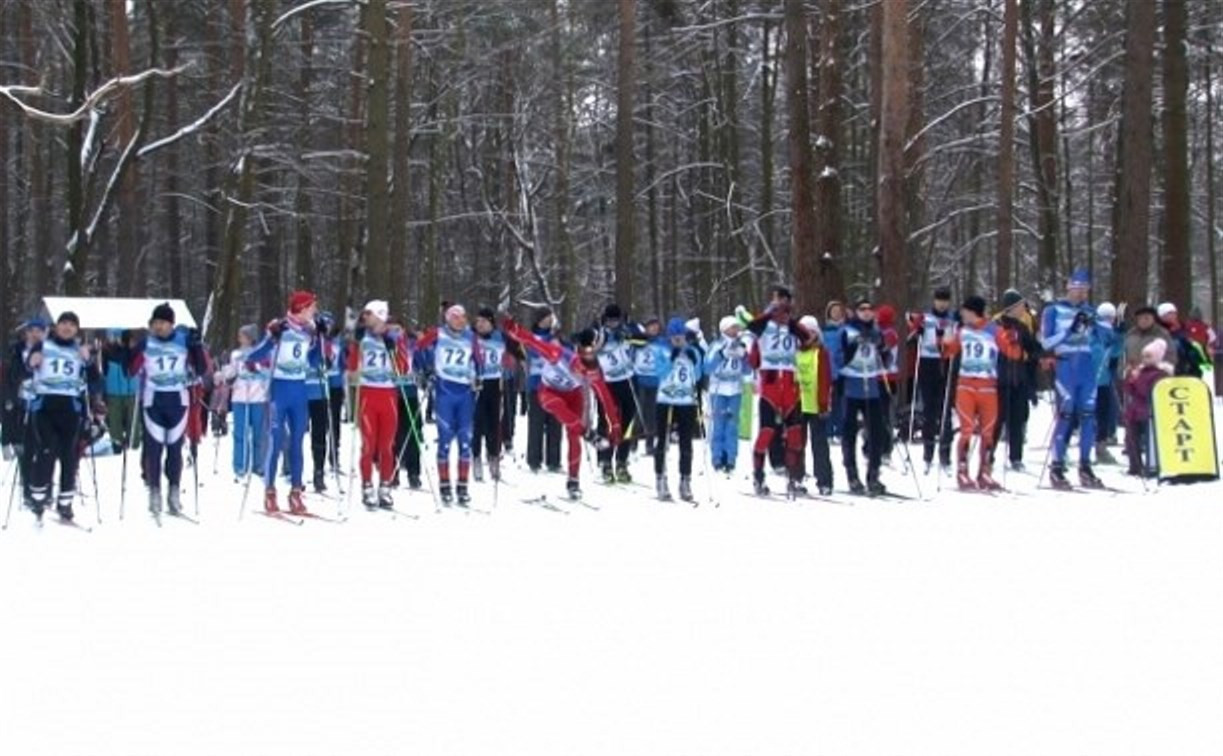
[612,312]
[539,315]
[781,292]
[1146,310]
[164,312]
[585,338]
[487,313]
[68,316]
[1010,298]
[974,303]
[942,292]
[862,301]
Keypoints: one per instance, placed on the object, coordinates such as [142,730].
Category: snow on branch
[192,127]
[307,6]
[91,101]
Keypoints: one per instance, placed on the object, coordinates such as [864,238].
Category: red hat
[300,300]
[887,316]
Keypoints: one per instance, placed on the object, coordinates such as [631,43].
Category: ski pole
[942,420]
[12,494]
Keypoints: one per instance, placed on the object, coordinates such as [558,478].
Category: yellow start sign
[1183,424]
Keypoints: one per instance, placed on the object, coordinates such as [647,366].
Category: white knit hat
[379,309]
[1106,311]
[810,323]
[1165,309]
[726,323]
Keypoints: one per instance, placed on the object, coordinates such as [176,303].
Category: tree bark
[302,206]
[401,186]
[828,160]
[1042,124]
[176,267]
[625,222]
[1006,150]
[893,106]
[130,278]
[72,282]
[378,69]
[1175,268]
[803,256]
[1132,203]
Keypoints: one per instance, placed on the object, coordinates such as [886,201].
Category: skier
[378,353]
[566,376]
[458,362]
[293,345]
[543,430]
[248,398]
[64,376]
[1068,329]
[166,362]
[646,377]
[16,435]
[321,381]
[1016,377]
[886,319]
[616,360]
[862,367]
[978,344]
[679,363]
[1108,350]
[490,403]
[409,432]
[814,365]
[927,332]
[727,367]
[1139,382]
[773,355]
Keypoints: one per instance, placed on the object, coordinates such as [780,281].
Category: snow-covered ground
[1047,624]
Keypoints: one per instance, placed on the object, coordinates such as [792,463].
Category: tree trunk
[1175,273]
[377,116]
[1042,124]
[302,206]
[1006,150]
[768,87]
[828,160]
[1211,254]
[130,278]
[915,154]
[401,185]
[625,226]
[1132,204]
[803,257]
[72,281]
[39,214]
[893,106]
[176,266]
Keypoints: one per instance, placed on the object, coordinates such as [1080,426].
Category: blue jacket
[644,366]
[679,370]
[1106,351]
[1070,332]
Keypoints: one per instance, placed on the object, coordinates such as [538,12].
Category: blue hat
[1080,279]
[35,323]
[676,327]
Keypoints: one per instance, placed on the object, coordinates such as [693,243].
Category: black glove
[194,340]
[676,352]
[320,326]
[1081,321]
[275,328]
[938,334]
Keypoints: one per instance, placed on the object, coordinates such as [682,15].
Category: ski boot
[494,469]
[609,476]
[873,486]
[623,475]
[368,497]
[155,501]
[963,479]
[477,469]
[1057,477]
[463,498]
[685,487]
[660,488]
[320,485]
[384,499]
[269,501]
[414,482]
[795,489]
[63,507]
[1017,466]
[825,490]
[446,494]
[1088,479]
[37,502]
[855,483]
[296,506]
[986,482]
[174,501]
[574,489]
[1103,455]
[758,485]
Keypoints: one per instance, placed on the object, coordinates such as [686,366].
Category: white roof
[115,312]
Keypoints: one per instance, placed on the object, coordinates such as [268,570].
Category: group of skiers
[617,384]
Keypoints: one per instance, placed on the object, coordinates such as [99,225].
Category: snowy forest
[678,156]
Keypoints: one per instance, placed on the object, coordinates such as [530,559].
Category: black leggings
[56,435]
[626,405]
[487,425]
[408,434]
[683,419]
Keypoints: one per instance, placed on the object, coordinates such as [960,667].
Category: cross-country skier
[773,355]
[616,360]
[377,355]
[15,432]
[1068,329]
[491,404]
[1016,377]
[679,364]
[248,398]
[323,383]
[458,362]
[861,376]
[814,364]
[64,375]
[645,377]
[543,430]
[293,345]
[927,331]
[727,367]
[409,432]
[568,374]
[978,344]
[1108,352]
[166,361]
